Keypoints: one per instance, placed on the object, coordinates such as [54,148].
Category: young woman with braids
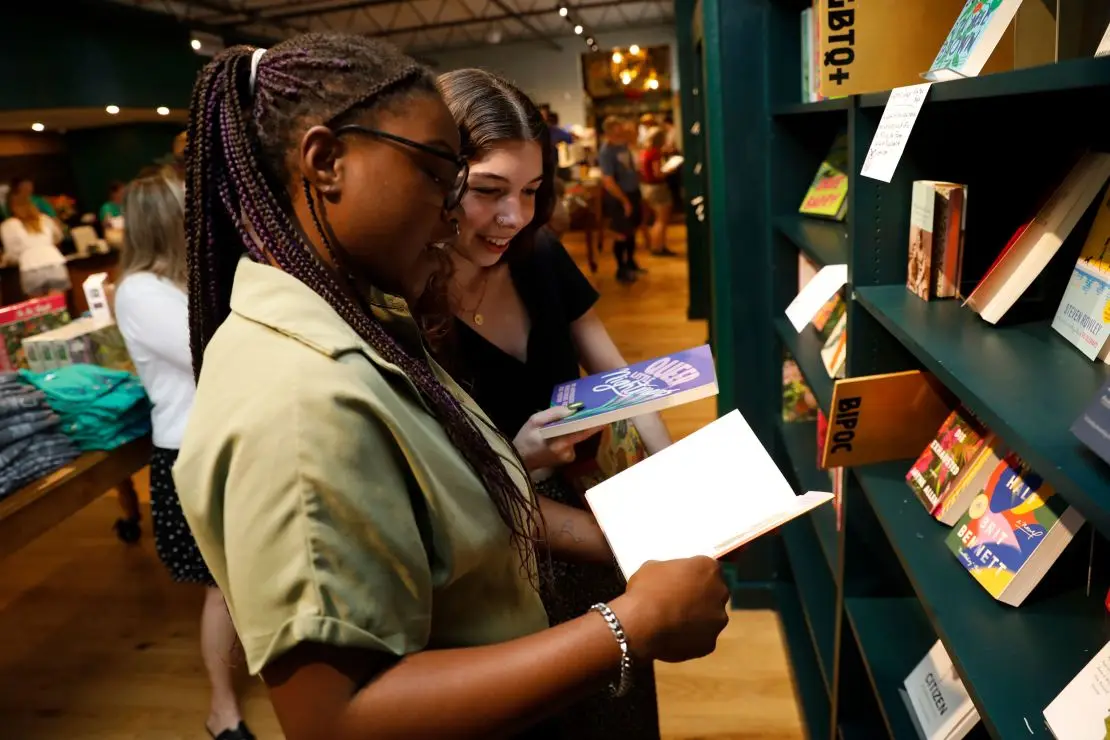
[525,322]
[372,532]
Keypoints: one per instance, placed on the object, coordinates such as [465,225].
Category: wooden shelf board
[805,348]
[1026,383]
[893,636]
[800,439]
[821,106]
[817,591]
[995,647]
[809,686]
[823,241]
[1068,75]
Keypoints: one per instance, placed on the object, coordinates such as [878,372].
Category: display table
[42,505]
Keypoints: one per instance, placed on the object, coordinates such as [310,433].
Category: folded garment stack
[31,442]
[100,408]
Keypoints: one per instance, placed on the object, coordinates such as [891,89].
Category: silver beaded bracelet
[624,683]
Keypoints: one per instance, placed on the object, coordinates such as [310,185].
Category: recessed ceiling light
[195,43]
[578,30]
[162,110]
[589,41]
[563,11]
[112,109]
[36,126]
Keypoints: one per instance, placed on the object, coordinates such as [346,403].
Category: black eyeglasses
[454,190]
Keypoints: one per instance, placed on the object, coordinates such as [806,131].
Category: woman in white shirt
[152,312]
[30,238]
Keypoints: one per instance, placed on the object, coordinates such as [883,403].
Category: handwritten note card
[894,131]
[815,294]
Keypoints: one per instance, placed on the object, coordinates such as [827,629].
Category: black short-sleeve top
[555,293]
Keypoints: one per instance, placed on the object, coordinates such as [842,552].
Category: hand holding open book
[707,494]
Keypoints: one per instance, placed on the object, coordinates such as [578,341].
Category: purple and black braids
[237,184]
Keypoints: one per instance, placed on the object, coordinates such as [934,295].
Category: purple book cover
[640,388]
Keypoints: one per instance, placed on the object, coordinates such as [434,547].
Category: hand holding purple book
[640,388]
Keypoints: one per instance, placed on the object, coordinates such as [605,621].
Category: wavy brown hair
[491,111]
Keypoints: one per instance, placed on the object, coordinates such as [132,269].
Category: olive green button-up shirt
[327,500]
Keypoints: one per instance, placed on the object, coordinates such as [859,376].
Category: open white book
[1082,710]
[707,494]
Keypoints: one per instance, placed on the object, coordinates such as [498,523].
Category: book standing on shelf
[1084,311]
[1082,710]
[938,218]
[948,460]
[936,698]
[1013,531]
[827,196]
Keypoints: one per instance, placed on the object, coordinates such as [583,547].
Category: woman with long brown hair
[152,312]
[30,238]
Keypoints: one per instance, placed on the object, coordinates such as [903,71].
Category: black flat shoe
[239,732]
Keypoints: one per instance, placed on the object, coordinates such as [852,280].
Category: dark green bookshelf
[805,348]
[812,694]
[1056,632]
[816,590]
[1025,382]
[888,663]
[895,586]
[822,106]
[824,242]
[1073,75]
[800,439]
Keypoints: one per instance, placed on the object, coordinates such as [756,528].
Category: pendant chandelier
[632,69]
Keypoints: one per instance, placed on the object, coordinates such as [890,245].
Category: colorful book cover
[973,37]
[829,315]
[26,319]
[828,193]
[834,353]
[798,403]
[1005,524]
[640,388]
[1084,311]
[939,467]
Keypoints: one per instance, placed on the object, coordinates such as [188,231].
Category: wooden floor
[97,643]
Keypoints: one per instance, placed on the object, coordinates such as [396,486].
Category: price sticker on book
[894,130]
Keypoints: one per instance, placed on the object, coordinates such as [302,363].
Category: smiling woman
[524,323]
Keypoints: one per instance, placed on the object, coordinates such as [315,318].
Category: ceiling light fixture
[578,30]
[195,43]
[634,50]
[589,41]
[162,110]
[36,126]
[563,11]
[617,57]
[112,109]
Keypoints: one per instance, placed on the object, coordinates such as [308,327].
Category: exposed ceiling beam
[540,35]
[439,26]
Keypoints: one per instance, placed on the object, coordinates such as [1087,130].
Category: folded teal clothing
[100,408]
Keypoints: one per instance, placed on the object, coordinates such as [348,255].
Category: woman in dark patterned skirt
[152,312]
[524,323]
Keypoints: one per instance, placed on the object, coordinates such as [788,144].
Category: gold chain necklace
[476,314]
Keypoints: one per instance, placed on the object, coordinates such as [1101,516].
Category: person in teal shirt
[112,209]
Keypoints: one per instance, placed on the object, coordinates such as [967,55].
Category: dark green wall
[85,53]
[101,155]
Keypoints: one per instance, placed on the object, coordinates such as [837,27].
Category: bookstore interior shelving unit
[861,604]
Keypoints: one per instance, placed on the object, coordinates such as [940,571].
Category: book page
[894,130]
[1082,709]
[816,294]
[1104,45]
[700,496]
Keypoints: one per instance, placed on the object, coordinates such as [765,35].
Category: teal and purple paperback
[640,388]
